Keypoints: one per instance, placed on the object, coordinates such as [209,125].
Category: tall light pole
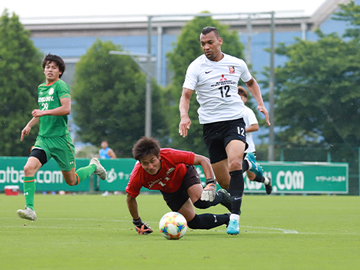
[249,33]
[271,152]
[148,86]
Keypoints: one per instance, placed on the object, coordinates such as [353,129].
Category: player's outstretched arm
[209,191]
[184,106]
[205,164]
[140,226]
[27,128]
[254,89]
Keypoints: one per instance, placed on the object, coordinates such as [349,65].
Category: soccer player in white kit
[214,76]
[252,125]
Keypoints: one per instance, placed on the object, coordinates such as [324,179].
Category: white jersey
[249,119]
[216,84]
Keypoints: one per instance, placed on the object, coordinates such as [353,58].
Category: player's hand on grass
[142,227]
[209,193]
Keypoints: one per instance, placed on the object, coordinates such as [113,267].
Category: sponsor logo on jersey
[232,70]
[159,181]
[45,99]
[223,78]
[223,81]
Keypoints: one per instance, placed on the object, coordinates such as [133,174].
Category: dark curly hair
[56,59]
[144,147]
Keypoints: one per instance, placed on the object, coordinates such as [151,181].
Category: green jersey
[49,97]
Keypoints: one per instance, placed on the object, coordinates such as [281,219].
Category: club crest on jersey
[51,91]
[223,78]
[232,70]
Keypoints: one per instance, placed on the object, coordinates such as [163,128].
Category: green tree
[317,90]
[109,96]
[186,50]
[350,13]
[20,74]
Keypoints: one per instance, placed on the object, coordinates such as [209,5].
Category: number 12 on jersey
[225,91]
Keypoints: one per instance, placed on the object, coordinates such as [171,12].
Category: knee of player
[235,165]
[71,182]
[29,170]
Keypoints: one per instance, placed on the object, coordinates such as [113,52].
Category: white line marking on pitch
[274,229]
[33,226]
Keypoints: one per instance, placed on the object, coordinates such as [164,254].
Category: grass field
[96,232]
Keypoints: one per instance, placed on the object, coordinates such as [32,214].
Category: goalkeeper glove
[209,191]
[142,227]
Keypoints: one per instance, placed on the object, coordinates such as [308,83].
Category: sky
[28,9]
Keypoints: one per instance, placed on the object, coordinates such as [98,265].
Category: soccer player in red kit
[172,172]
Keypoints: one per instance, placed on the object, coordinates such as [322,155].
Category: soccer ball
[173,225]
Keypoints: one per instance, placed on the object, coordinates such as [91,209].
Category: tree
[317,90]
[109,96]
[350,13]
[20,74]
[186,50]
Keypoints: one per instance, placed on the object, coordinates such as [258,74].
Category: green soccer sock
[29,191]
[85,172]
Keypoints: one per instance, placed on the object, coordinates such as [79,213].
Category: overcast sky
[46,8]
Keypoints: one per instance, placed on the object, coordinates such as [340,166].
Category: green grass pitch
[96,232]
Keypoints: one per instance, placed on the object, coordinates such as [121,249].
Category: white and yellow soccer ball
[173,225]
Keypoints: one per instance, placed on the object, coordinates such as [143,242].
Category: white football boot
[100,170]
[27,214]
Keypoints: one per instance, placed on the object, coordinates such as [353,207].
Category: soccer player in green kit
[54,138]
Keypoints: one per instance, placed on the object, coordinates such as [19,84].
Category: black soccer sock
[245,165]
[205,204]
[208,221]
[236,190]
[259,179]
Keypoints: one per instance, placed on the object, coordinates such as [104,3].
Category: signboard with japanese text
[287,177]
[303,177]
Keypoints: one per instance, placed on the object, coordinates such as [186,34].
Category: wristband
[210,181]
[137,222]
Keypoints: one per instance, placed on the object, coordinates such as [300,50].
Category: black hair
[209,29]
[242,91]
[56,59]
[144,147]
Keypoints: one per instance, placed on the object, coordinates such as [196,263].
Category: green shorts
[60,148]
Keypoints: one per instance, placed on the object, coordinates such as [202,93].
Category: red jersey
[168,179]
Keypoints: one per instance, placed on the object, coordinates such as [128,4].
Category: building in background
[70,37]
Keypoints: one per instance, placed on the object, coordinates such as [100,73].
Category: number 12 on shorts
[241,131]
